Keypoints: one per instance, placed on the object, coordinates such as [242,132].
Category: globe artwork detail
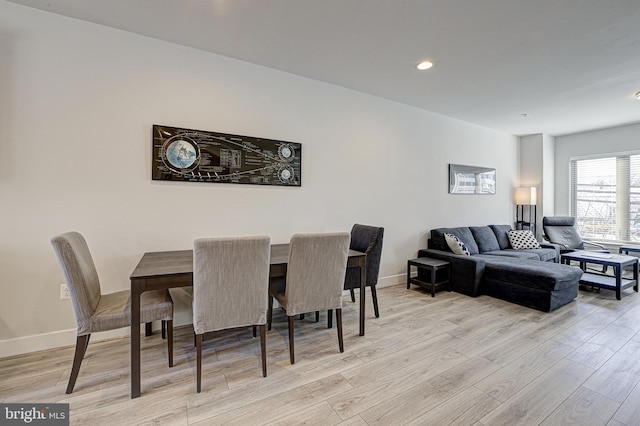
[181,154]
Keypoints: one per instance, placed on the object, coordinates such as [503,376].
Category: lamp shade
[525,196]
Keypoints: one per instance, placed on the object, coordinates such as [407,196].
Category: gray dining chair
[230,285]
[314,281]
[95,312]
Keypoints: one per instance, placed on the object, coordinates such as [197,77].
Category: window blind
[605,197]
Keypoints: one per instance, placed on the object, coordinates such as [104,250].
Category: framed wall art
[471,179]
[202,156]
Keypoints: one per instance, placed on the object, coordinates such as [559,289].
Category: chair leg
[169,327]
[353,295]
[263,348]
[81,348]
[291,356]
[317,316]
[164,329]
[374,296]
[301,316]
[254,331]
[339,323]
[330,318]
[269,312]
[148,329]
[198,362]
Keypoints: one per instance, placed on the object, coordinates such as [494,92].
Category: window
[605,197]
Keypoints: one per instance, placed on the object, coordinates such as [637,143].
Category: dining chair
[95,312]
[230,286]
[366,239]
[314,280]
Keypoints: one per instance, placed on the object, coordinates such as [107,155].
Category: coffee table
[617,261]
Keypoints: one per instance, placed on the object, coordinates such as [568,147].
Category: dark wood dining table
[171,269]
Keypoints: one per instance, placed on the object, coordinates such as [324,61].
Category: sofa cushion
[485,238]
[544,254]
[552,276]
[510,254]
[438,242]
[455,244]
[501,235]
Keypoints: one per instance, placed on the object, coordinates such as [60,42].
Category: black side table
[628,249]
[433,266]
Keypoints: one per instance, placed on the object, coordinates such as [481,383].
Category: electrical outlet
[64,292]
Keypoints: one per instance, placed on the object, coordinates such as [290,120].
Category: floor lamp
[525,197]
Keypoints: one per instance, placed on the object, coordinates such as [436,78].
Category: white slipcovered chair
[230,285]
[94,311]
[315,278]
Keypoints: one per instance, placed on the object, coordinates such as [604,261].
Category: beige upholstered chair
[230,285]
[94,311]
[315,276]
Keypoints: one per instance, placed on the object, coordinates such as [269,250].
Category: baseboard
[62,338]
[38,342]
[392,280]
[56,340]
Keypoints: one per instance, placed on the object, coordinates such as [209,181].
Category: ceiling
[518,66]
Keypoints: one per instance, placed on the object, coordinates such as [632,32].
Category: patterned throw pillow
[523,239]
[456,245]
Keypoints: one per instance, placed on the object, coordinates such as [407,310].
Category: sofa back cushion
[485,238]
[463,233]
[500,232]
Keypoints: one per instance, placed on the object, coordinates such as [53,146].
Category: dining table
[172,269]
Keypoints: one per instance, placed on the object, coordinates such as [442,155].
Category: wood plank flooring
[446,360]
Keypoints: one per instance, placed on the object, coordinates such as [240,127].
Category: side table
[628,249]
[432,266]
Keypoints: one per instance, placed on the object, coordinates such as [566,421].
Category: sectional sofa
[529,277]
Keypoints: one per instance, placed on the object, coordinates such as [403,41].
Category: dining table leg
[137,287]
[363,286]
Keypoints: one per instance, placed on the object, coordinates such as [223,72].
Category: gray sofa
[529,277]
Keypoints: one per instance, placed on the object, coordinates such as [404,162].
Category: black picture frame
[189,155]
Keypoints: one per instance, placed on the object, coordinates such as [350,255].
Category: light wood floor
[451,359]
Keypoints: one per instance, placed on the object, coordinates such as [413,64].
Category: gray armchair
[314,281]
[562,230]
[230,285]
[94,311]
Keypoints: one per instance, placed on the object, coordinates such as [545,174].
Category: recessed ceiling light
[424,65]
[638,95]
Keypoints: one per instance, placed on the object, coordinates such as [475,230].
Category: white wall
[537,169]
[612,140]
[531,173]
[77,102]
[548,173]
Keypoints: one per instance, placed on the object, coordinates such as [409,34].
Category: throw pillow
[523,239]
[456,245]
